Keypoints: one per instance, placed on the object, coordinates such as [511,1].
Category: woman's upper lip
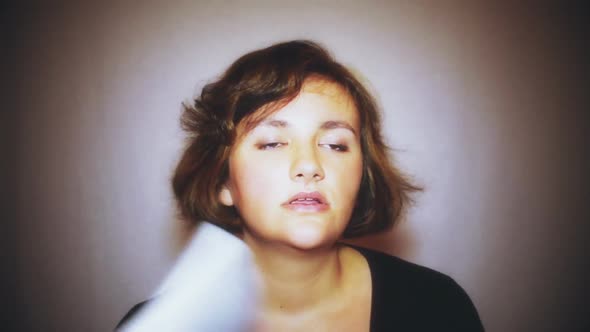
[308,195]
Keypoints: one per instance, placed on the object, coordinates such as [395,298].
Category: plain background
[484,105]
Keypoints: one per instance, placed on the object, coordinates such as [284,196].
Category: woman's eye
[337,147]
[269,146]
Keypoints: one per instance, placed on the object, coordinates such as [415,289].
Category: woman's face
[294,178]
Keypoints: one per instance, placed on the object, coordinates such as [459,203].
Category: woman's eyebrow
[337,124]
[333,124]
[275,123]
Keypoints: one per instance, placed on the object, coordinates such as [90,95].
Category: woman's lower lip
[306,207]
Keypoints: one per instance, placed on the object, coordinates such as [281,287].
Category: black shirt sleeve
[456,310]
[411,298]
[132,312]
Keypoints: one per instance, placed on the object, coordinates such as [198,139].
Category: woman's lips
[306,202]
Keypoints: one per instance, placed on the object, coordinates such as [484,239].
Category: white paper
[213,287]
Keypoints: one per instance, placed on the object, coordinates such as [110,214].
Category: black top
[409,297]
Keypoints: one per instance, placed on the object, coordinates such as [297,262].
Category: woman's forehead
[318,103]
[312,88]
[325,87]
[315,107]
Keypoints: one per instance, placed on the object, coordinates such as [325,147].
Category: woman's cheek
[260,180]
[349,177]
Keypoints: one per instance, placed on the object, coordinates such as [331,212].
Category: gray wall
[483,106]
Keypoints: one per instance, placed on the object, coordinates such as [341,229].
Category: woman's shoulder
[404,273]
[416,297]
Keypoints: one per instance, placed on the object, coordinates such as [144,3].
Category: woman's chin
[307,237]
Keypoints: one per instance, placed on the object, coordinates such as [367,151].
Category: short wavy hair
[273,76]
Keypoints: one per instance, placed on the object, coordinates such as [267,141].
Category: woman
[286,153]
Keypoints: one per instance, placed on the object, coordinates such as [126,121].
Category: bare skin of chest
[349,310]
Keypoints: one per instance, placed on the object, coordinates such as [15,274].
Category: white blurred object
[214,286]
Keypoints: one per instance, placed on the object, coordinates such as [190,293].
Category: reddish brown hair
[273,76]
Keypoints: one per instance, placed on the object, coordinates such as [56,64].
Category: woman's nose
[306,165]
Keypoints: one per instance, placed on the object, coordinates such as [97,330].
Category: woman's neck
[297,281]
